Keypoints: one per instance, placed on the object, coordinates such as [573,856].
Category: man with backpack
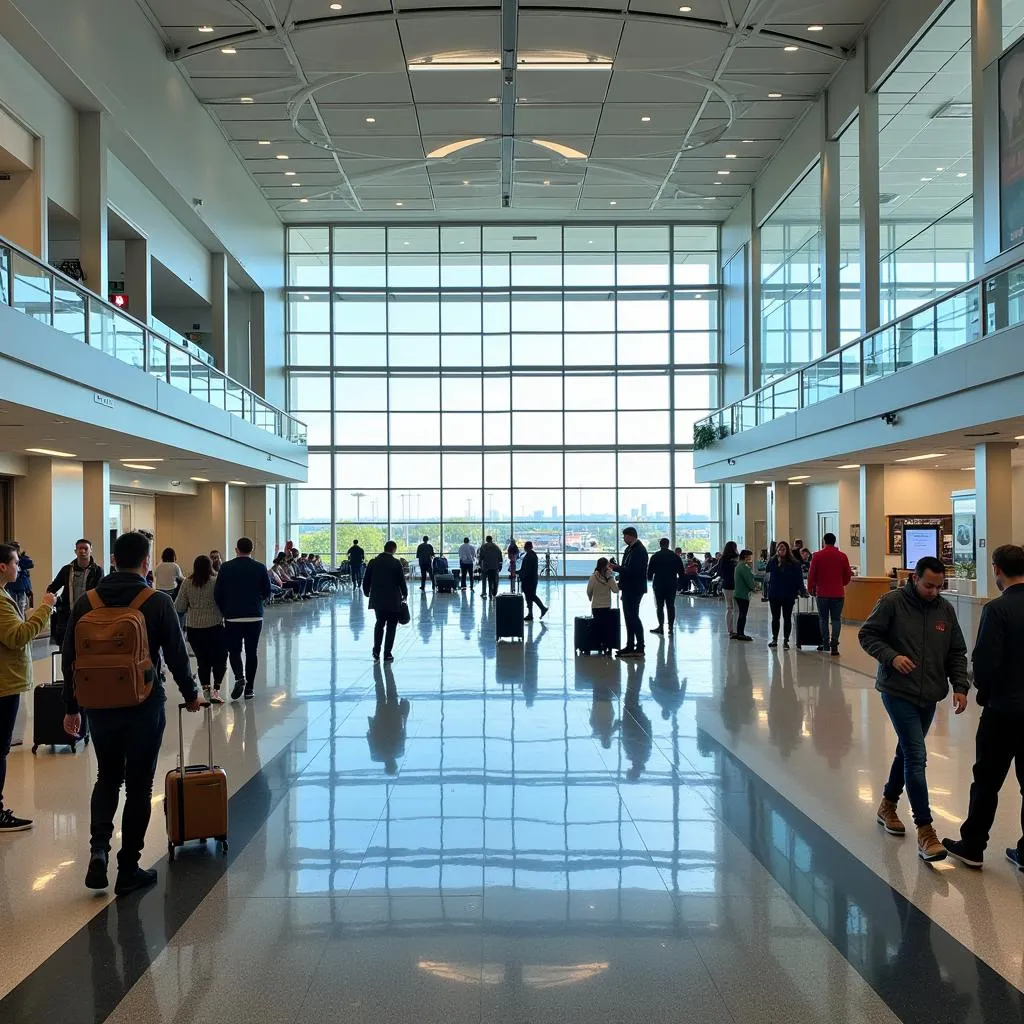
[111,661]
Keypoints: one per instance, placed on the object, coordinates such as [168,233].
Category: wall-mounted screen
[920,542]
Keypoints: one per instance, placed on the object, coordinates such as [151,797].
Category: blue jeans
[830,608]
[911,723]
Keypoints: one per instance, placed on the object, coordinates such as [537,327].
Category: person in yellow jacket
[16,636]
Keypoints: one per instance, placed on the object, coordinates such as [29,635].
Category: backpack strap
[140,598]
[95,601]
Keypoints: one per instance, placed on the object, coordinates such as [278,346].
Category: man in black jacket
[632,587]
[529,572]
[665,569]
[71,582]
[999,677]
[242,585]
[384,585]
[356,557]
[914,635]
[425,556]
[127,740]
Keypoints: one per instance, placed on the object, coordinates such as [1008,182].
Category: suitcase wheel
[73,747]
[35,747]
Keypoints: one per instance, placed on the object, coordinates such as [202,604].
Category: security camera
[891,418]
[506,201]
[197,202]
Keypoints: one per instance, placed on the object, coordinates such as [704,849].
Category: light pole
[358,495]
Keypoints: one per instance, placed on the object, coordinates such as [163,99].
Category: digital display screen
[919,542]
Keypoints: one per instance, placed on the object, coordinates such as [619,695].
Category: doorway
[828,522]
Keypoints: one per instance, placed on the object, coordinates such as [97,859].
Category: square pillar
[257,343]
[193,524]
[993,508]
[831,250]
[138,278]
[48,515]
[872,520]
[261,522]
[96,509]
[92,199]
[219,301]
[870,230]
[778,512]
[986,46]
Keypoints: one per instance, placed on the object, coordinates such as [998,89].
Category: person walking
[529,574]
[167,576]
[632,586]
[241,587]
[914,635]
[20,588]
[127,740]
[16,636]
[665,570]
[356,558]
[70,583]
[727,577]
[600,587]
[999,679]
[204,627]
[490,566]
[513,560]
[784,583]
[745,586]
[384,585]
[827,580]
[425,556]
[467,558]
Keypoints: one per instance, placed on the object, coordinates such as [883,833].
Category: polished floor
[508,832]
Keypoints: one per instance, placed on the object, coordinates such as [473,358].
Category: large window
[539,382]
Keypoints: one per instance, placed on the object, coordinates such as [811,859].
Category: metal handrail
[249,406]
[984,298]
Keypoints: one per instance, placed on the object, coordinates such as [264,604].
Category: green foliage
[706,434]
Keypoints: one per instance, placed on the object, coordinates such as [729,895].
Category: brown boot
[928,846]
[887,817]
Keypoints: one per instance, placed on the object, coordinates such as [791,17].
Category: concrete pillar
[48,515]
[22,193]
[96,509]
[872,521]
[219,300]
[138,278]
[257,343]
[986,46]
[870,229]
[993,508]
[261,522]
[92,199]
[831,251]
[239,357]
[754,313]
[193,524]
[778,512]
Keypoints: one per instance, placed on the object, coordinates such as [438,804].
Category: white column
[872,520]
[138,278]
[993,509]
[778,512]
[754,329]
[870,230]
[92,199]
[96,509]
[261,525]
[48,515]
[830,247]
[257,343]
[219,300]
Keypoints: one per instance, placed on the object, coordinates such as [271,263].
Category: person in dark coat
[425,556]
[529,572]
[665,570]
[632,587]
[785,583]
[70,583]
[384,585]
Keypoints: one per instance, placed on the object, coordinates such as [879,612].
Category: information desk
[862,594]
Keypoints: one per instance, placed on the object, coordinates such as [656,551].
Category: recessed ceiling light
[853,465]
[815,28]
[245,99]
[685,10]
[962,174]
[399,203]
[922,458]
[492,99]
[242,483]
[646,117]
[791,49]
[546,182]
[925,179]
[940,169]
[296,184]
[306,297]
[52,452]
[371,120]
[205,28]
[795,479]
[228,49]
[282,156]
[335,7]
[264,142]
[462,243]
[140,458]
[199,479]
[138,465]
[290,174]
[748,142]
[303,200]
[465,181]
[723,173]
[760,481]
[730,156]
[590,241]
[405,243]
[612,202]
[775,95]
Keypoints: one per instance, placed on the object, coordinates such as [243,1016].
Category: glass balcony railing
[45,294]
[983,307]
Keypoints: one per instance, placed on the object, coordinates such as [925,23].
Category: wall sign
[894,539]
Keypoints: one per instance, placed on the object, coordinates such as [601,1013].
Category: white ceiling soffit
[553,109]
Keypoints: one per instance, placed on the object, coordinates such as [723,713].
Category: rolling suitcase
[444,582]
[195,797]
[584,635]
[807,627]
[48,714]
[608,629]
[508,617]
[439,567]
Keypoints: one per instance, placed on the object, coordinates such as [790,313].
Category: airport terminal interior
[318,278]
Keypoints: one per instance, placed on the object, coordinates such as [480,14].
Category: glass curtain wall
[791,299]
[536,382]
[925,168]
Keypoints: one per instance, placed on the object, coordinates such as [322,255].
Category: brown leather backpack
[112,667]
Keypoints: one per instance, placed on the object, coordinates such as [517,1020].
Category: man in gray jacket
[914,636]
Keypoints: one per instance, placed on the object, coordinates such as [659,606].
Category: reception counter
[862,594]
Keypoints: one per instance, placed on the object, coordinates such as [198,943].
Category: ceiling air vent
[524,238]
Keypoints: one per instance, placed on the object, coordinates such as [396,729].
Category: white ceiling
[703,75]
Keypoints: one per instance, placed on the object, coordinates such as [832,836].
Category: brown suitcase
[196,797]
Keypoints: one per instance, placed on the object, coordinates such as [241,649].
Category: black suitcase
[584,635]
[444,582]
[508,617]
[48,714]
[808,628]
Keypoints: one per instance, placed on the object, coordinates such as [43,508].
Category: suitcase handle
[181,735]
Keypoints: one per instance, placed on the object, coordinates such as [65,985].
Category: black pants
[743,604]
[8,716]
[490,581]
[1000,740]
[634,627]
[530,594]
[247,635]
[606,621]
[127,744]
[426,570]
[211,651]
[465,573]
[785,609]
[665,598]
[389,620]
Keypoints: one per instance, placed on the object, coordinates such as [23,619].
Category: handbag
[403,614]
